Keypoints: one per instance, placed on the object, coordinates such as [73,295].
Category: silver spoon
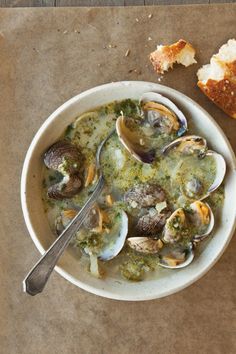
[37,278]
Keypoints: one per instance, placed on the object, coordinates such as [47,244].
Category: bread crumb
[165,56]
[150,16]
[149,38]
[127,53]
[137,20]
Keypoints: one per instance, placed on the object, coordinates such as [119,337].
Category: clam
[176,258]
[175,227]
[114,240]
[194,144]
[66,216]
[63,220]
[188,144]
[66,188]
[64,157]
[133,142]
[220,171]
[171,258]
[162,114]
[144,195]
[202,218]
[145,245]
[153,222]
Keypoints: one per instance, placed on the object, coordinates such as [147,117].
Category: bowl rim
[23,189]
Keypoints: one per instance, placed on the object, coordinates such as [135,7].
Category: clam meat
[190,144]
[162,114]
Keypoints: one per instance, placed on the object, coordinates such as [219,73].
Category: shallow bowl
[168,282]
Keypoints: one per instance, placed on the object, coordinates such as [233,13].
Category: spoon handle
[40,273]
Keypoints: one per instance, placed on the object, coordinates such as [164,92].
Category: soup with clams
[161,187]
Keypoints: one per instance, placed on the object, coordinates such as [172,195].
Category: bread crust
[223,92]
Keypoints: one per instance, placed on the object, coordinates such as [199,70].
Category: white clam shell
[185,139]
[220,170]
[116,239]
[219,159]
[185,263]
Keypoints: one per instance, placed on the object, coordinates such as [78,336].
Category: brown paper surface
[46,57]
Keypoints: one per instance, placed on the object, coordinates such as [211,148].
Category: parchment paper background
[46,57]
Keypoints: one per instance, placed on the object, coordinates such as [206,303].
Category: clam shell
[220,171]
[67,188]
[59,152]
[188,144]
[145,244]
[132,143]
[64,157]
[116,239]
[172,233]
[156,97]
[177,264]
[203,218]
[144,195]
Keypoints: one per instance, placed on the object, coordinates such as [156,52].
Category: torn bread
[165,56]
[218,79]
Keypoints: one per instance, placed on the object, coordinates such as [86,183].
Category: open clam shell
[187,145]
[195,144]
[115,239]
[161,111]
[174,226]
[132,142]
[220,171]
[203,218]
[176,258]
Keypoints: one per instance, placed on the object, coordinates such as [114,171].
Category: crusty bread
[165,56]
[218,79]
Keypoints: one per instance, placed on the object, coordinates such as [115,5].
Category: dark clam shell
[145,195]
[65,189]
[64,157]
[61,152]
[151,225]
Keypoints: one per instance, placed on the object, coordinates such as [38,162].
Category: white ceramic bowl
[69,267]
